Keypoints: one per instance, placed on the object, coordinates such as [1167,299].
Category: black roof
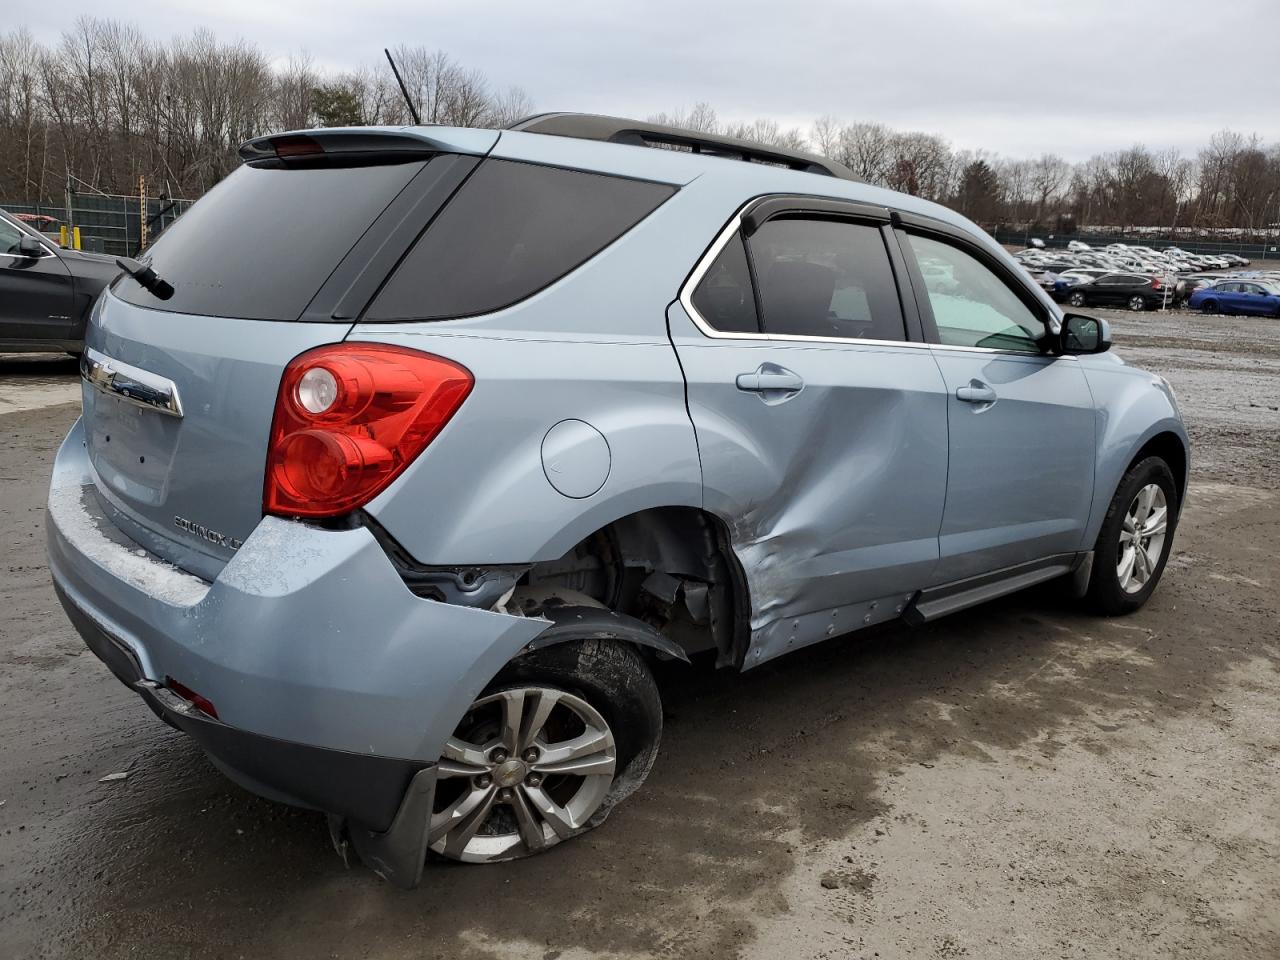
[589,126]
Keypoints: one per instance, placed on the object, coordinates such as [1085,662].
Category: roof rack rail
[590,126]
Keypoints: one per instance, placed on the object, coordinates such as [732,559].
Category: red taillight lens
[1155,284]
[349,418]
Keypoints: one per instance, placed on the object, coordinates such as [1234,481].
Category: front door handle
[976,392]
[770,378]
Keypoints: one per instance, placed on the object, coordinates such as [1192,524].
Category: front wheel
[561,736]
[1134,542]
[1210,306]
[1077,300]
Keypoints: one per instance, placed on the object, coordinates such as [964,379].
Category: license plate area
[131,448]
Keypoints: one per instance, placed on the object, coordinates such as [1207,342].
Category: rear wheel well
[671,567]
[1168,447]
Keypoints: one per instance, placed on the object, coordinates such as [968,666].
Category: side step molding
[948,598]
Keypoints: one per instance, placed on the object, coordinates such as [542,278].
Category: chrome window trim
[130,384]
[22,256]
[721,241]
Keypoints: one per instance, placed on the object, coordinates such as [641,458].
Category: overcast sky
[1016,77]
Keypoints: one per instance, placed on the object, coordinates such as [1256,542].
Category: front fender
[1133,407]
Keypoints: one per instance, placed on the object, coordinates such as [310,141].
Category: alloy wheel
[526,768]
[1137,303]
[1076,299]
[1142,537]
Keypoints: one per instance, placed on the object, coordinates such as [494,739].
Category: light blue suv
[405,451]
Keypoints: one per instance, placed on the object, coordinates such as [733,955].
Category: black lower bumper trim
[362,788]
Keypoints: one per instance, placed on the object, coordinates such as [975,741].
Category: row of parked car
[1123,256]
[1141,278]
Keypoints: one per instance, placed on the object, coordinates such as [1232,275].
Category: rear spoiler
[354,144]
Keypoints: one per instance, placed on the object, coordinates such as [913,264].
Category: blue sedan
[1238,296]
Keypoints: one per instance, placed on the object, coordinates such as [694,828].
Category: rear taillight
[349,418]
[1155,284]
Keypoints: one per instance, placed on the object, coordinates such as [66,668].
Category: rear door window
[724,297]
[260,244]
[513,229]
[825,278]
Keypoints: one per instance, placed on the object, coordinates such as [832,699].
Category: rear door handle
[976,392]
[770,378]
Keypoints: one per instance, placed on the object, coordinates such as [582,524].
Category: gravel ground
[1020,780]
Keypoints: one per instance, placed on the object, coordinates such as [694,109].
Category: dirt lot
[1020,781]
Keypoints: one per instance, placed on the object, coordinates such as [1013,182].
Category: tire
[1210,306]
[1078,300]
[1109,592]
[1137,304]
[602,692]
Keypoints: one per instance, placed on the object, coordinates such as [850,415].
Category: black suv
[1132,290]
[45,292]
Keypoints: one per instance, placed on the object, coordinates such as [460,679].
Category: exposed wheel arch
[668,569]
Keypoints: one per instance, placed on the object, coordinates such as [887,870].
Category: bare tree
[865,149]
[1048,177]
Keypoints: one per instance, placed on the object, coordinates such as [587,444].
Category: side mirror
[30,247]
[1081,334]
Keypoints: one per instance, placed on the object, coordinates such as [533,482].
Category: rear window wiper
[161,289]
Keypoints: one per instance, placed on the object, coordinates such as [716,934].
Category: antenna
[413,111]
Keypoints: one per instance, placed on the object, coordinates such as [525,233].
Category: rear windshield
[513,229]
[260,244]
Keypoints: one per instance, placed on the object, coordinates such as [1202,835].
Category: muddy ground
[1020,781]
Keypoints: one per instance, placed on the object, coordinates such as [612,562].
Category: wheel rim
[1142,537]
[1077,300]
[1210,307]
[526,768]
[1136,303]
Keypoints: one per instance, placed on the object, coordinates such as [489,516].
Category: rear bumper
[333,683]
[360,787]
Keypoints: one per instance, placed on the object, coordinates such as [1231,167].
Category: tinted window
[513,229]
[825,278]
[724,297]
[10,236]
[259,244]
[971,305]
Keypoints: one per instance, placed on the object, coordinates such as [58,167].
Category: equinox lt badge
[204,533]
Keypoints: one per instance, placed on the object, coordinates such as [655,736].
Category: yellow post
[142,212]
[75,237]
[62,235]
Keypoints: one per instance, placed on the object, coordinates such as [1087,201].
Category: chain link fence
[108,224]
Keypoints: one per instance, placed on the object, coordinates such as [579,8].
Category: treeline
[1234,181]
[106,105]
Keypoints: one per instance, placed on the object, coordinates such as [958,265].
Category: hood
[96,269]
